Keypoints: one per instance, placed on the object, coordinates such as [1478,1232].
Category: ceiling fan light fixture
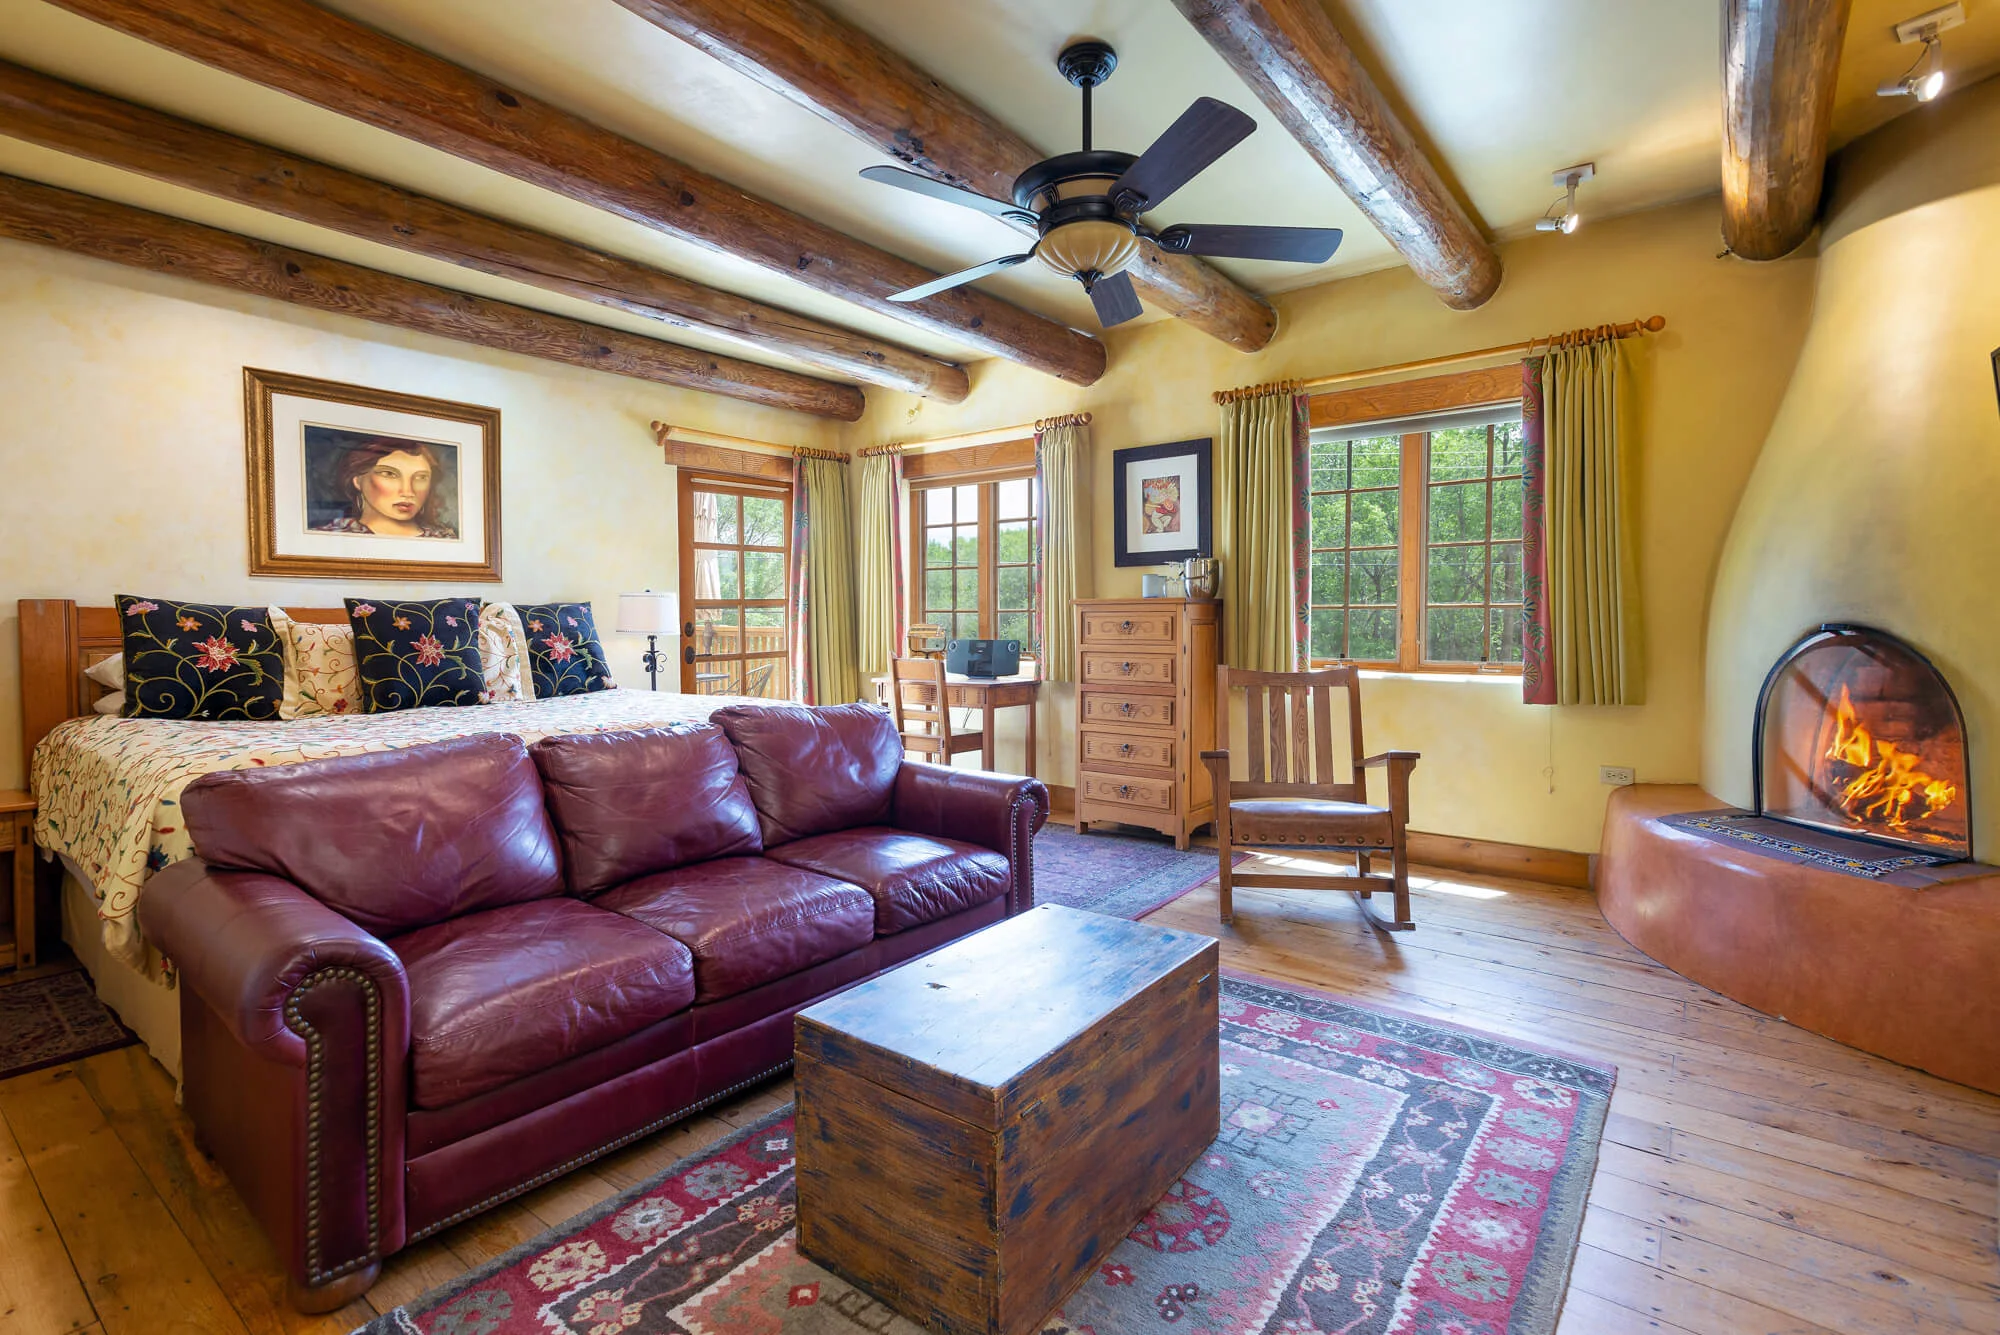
[1089,246]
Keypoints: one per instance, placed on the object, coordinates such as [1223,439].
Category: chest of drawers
[1145,712]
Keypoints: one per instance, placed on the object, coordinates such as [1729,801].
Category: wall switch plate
[1616,775]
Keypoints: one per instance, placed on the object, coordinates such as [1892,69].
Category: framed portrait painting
[352,482]
[1161,502]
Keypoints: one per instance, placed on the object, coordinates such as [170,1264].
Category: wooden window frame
[987,480]
[687,483]
[1497,388]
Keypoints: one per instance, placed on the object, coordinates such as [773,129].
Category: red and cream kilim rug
[1376,1175]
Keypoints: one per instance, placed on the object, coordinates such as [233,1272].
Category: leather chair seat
[748,920]
[913,878]
[1308,823]
[510,991]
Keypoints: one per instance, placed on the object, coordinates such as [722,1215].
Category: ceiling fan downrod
[1087,64]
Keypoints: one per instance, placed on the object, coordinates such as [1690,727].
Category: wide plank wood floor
[1755,1179]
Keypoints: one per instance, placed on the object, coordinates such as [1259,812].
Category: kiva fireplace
[1859,735]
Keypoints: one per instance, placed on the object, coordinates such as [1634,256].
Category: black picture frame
[1123,479]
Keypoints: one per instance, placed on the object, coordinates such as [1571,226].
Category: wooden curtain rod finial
[1065,419]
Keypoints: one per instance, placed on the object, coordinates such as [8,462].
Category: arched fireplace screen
[1858,734]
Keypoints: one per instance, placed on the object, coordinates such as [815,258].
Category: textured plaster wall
[1873,500]
[121,436]
[1707,388]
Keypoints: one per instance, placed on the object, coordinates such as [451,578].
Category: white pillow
[113,703]
[108,672]
[503,654]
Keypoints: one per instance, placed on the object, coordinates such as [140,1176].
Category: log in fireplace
[1858,734]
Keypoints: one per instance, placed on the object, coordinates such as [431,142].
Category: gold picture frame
[350,482]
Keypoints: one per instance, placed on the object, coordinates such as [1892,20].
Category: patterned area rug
[1113,874]
[54,1018]
[1375,1173]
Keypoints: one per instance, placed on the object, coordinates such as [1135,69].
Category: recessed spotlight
[1569,178]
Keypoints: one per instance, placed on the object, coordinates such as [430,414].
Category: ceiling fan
[1085,206]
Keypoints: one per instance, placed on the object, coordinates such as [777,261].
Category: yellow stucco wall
[1873,500]
[1707,388]
[121,434]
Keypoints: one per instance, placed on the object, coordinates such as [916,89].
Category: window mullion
[989,555]
[1410,588]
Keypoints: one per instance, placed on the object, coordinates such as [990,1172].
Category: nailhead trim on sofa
[315,1077]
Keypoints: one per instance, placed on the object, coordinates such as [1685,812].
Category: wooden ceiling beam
[1289,52]
[62,116]
[848,77]
[86,225]
[1780,61]
[346,67]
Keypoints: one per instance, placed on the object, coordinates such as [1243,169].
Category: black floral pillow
[200,660]
[563,650]
[409,655]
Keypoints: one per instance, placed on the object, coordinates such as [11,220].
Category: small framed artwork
[352,482]
[1162,502]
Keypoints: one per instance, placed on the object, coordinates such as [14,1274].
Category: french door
[736,538]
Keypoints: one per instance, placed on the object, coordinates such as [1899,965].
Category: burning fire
[1889,781]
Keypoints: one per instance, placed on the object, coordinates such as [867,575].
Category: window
[1416,542]
[981,558]
[735,539]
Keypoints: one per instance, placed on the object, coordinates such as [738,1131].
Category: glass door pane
[735,570]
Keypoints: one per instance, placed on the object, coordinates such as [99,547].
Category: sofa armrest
[295,1048]
[245,942]
[995,811]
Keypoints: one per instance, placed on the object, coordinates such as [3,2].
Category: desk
[986,694]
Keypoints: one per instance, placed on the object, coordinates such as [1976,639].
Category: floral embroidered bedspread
[109,788]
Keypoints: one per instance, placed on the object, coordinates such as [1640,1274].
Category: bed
[108,789]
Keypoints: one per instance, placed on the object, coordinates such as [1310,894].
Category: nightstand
[17,837]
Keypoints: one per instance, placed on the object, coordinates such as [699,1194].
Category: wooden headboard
[59,639]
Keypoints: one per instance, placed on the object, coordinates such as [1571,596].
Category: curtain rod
[1651,325]
[664,432]
[990,436]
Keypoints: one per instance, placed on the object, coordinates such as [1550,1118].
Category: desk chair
[923,715]
[1293,803]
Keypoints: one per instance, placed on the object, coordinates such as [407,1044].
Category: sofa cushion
[502,994]
[395,840]
[627,804]
[749,920]
[913,878]
[812,769]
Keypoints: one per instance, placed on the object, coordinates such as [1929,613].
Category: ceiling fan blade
[1205,131]
[1115,300]
[959,279]
[919,184]
[1299,245]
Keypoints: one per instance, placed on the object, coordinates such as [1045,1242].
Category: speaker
[982,658]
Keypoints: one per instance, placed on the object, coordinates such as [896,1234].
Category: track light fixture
[1569,178]
[1924,80]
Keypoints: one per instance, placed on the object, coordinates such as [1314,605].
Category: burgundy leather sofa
[416,983]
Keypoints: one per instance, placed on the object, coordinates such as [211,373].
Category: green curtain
[1595,653]
[825,666]
[1061,454]
[1253,531]
[878,543]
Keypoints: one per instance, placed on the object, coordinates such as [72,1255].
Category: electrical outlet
[1616,775]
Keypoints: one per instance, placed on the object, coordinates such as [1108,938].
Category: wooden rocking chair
[1299,806]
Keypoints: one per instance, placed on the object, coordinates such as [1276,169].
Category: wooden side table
[17,836]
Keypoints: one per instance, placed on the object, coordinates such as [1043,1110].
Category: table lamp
[651,615]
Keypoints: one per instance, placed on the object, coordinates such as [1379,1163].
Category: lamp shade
[649,613]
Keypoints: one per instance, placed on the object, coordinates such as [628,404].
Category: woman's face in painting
[393,492]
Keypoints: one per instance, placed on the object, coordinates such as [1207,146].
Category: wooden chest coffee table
[978,1128]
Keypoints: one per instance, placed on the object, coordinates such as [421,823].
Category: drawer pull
[1125,790]
[1125,708]
[1125,626]
[1125,668]
[1125,750]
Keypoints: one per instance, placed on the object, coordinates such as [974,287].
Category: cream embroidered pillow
[503,653]
[320,673]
